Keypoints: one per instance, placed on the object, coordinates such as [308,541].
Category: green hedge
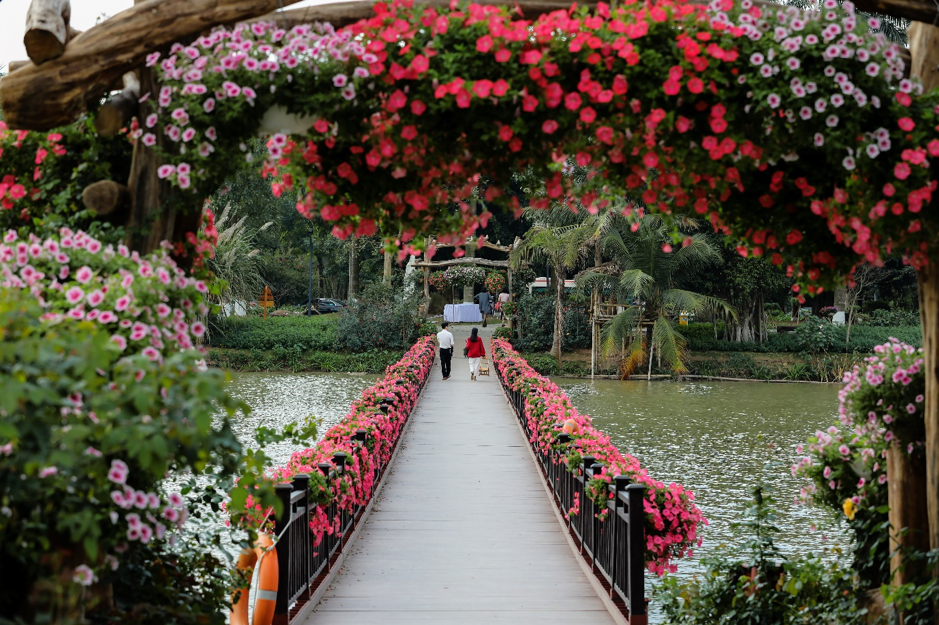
[280,359]
[863,339]
[306,333]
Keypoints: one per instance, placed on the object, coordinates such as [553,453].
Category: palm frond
[670,345]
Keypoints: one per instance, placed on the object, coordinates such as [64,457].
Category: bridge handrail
[614,545]
[302,565]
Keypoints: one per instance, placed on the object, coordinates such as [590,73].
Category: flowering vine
[693,108]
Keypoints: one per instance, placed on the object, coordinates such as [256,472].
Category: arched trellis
[825,227]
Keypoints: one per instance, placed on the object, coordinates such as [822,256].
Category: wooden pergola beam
[40,97]
[915,10]
[485,262]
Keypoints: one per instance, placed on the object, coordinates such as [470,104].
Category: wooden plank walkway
[463,530]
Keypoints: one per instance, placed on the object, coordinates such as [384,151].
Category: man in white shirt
[445,340]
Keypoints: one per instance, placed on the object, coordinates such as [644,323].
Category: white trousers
[474,365]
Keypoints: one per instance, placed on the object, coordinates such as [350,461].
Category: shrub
[89,437]
[503,333]
[816,335]
[299,332]
[700,337]
[882,317]
[382,318]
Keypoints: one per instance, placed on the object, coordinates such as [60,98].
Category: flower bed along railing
[622,520]
[325,489]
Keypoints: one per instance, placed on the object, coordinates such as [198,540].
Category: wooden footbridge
[465,526]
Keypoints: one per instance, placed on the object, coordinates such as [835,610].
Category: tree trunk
[426,291]
[353,270]
[558,314]
[320,278]
[906,491]
[386,271]
[929,311]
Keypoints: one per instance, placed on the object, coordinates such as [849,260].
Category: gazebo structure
[470,258]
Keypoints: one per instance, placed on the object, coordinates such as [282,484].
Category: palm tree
[646,275]
[562,247]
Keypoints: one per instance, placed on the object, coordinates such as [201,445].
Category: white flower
[820,105]
[805,112]
[848,162]
[819,139]
[837,100]
[831,121]
[872,150]
[83,575]
[773,100]
[793,63]
[756,58]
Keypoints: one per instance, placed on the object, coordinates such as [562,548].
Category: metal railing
[303,566]
[614,547]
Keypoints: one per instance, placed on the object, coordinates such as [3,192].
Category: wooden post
[924,50]
[266,300]
[906,492]
[911,490]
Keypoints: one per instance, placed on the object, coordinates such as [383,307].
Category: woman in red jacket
[474,351]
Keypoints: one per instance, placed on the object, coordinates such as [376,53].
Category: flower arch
[794,131]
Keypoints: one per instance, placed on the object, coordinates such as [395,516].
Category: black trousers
[445,356]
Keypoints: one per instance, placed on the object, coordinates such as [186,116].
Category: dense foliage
[382,318]
[291,333]
[103,398]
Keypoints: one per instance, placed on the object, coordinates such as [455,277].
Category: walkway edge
[317,596]
[611,607]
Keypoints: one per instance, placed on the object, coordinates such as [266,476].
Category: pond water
[277,399]
[719,439]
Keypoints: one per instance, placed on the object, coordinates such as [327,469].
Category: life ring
[266,594]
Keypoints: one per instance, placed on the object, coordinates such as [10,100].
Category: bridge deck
[463,531]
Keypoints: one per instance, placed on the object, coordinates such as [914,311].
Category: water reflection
[279,398]
[715,438]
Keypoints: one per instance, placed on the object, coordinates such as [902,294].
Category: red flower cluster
[766,122]
[401,384]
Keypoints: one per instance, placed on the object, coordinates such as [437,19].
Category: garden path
[463,530]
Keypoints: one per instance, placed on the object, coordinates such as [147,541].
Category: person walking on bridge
[475,350]
[445,341]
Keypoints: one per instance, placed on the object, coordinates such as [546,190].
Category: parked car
[324,305]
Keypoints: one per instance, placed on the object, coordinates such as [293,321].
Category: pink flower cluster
[148,304]
[672,517]
[229,67]
[149,504]
[400,386]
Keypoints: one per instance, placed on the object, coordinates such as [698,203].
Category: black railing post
[282,547]
[587,461]
[595,469]
[303,552]
[637,546]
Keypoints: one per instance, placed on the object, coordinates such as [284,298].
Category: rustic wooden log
[119,110]
[906,493]
[106,197]
[924,48]
[12,66]
[485,262]
[916,10]
[47,29]
[40,97]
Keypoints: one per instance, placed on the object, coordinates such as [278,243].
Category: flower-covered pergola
[795,132]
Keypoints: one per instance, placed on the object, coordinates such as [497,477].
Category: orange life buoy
[266,594]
